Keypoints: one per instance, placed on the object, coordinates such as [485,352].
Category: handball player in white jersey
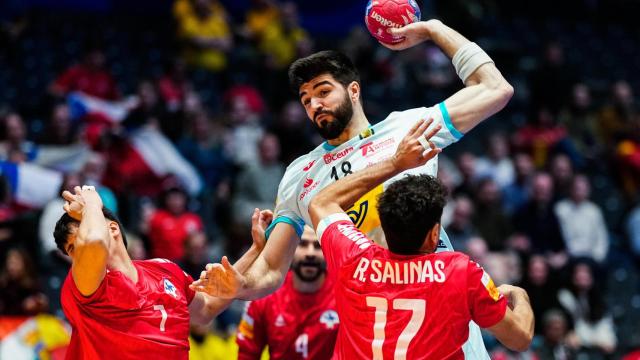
[328,86]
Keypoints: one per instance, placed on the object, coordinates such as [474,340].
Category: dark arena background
[167,118]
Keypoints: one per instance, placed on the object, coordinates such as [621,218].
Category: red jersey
[294,325]
[98,83]
[168,233]
[404,306]
[123,320]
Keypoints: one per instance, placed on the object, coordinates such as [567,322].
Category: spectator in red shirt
[89,76]
[171,224]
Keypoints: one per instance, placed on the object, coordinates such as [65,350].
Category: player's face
[327,104]
[308,260]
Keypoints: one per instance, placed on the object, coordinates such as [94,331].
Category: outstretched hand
[75,202]
[416,149]
[219,280]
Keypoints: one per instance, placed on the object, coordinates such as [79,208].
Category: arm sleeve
[340,239]
[486,305]
[251,337]
[287,209]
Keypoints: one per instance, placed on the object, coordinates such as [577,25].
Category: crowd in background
[545,195]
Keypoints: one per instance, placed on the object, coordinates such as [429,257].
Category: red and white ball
[381,15]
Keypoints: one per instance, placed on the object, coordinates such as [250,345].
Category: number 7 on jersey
[416,306]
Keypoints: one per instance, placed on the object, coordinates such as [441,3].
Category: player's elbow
[502,93]
[521,343]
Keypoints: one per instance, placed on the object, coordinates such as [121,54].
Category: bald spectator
[582,223]
[497,165]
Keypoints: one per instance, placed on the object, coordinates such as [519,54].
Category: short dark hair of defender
[330,62]
[409,208]
[64,224]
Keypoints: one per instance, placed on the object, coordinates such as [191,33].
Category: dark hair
[409,208]
[64,224]
[329,62]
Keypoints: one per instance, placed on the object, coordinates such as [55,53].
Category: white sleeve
[287,209]
[446,136]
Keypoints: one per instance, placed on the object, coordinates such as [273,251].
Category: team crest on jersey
[280,321]
[330,319]
[170,289]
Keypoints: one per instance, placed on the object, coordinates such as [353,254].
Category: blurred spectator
[204,29]
[579,118]
[477,250]
[555,330]
[244,116]
[541,136]
[551,82]
[203,147]
[173,85]
[582,223]
[467,165]
[259,17]
[149,110]
[460,230]
[8,210]
[627,155]
[538,221]
[615,118]
[447,179]
[583,300]
[257,185]
[285,40]
[93,173]
[497,165]
[562,173]
[542,286]
[171,224]
[517,194]
[293,132]
[89,76]
[489,218]
[60,130]
[633,232]
[195,254]
[19,290]
[14,146]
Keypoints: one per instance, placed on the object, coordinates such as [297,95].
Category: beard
[305,276]
[330,130]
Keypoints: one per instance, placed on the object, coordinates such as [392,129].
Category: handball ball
[383,14]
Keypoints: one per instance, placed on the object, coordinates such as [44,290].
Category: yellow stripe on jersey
[487,281]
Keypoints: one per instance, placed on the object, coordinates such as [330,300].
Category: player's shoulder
[306,161]
[413,113]
[159,264]
[452,257]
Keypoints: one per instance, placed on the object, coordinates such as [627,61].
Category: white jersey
[310,173]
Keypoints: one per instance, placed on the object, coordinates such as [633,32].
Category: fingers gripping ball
[381,15]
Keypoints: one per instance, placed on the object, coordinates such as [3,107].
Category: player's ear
[354,91]
[114,229]
[430,244]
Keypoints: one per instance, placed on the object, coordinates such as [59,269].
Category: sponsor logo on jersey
[308,183]
[372,147]
[309,186]
[330,157]
[441,244]
[490,286]
[308,167]
[330,319]
[280,321]
[170,289]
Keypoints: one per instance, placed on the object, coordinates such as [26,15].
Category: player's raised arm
[414,150]
[263,276]
[90,250]
[486,92]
